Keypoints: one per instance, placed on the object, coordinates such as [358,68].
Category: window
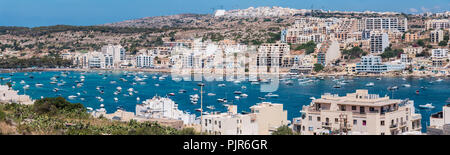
[310,118]
[355,122]
[318,119]
[342,108]
[336,120]
[382,123]
[371,109]
[364,123]
[382,133]
[353,107]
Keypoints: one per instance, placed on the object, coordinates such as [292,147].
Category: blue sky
[33,13]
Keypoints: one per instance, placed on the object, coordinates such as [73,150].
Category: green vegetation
[421,43]
[391,53]
[353,53]
[46,30]
[283,130]
[273,37]
[56,116]
[309,47]
[318,67]
[46,62]
[443,43]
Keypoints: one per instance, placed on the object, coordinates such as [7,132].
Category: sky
[33,13]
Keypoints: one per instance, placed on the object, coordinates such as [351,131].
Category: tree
[443,43]
[318,67]
[283,130]
[421,43]
[353,53]
[309,47]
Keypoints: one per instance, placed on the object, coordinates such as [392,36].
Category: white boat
[39,85]
[237,92]
[439,80]
[211,94]
[393,88]
[312,98]
[379,78]
[89,109]
[406,85]
[427,106]
[138,99]
[119,88]
[112,82]
[371,84]
[243,87]
[211,107]
[254,83]
[22,82]
[78,94]
[237,97]
[161,78]
[26,87]
[221,85]
[244,95]
[156,85]
[130,89]
[271,95]
[72,97]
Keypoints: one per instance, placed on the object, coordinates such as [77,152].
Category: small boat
[130,89]
[171,94]
[72,97]
[116,99]
[39,85]
[211,94]
[161,78]
[312,98]
[26,87]
[417,92]
[237,97]
[222,100]
[138,99]
[243,87]
[406,85]
[211,107]
[439,80]
[237,92]
[22,82]
[221,85]
[199,110]
[371,84]
[392,88]
[379,78]
[119,88]
[244,95]
[427,106]
[112,82]
[261,98]
[254,83]
[78,94]
[156,85]
[181,91]
[90,109]
[271,95]
[337,86]
[55,89]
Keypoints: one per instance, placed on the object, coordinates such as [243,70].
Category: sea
[293,94]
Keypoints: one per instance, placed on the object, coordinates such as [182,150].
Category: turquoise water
[292,96]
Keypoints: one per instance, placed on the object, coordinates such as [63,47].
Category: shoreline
[148,70]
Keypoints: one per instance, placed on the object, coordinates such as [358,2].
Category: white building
[378,42]
[358,113]
[229,123]
[271,54]
[386,23]
[436,36]
[438,120]
[371,64]
[437,24]
[8,95]
[439,53]
[163,108]
[117,51]
[144,61]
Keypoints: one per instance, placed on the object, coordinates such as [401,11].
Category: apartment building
[411,37]
[358,113]
[9,95]
[163,108]
[440,122]
[371,64]
[264,118]
[144,61]
[436,36]
[271,54]
[437,24]
[386,23]
[379,41]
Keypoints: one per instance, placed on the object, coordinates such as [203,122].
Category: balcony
[393,126]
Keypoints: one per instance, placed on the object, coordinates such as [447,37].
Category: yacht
[244,95]
[39,85]
[439,80]
[254,83]
[406,85]
[221,85]
[138,99]
[211,94]
[271,95]
[237,97]
[72,97]
[337,86]
[211,107]
[22,82]
[393,88]
[237,92]
[427,106]
[371,84]
[26,87]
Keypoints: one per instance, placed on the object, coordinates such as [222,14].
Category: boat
[26,87]
[90,109]
[243,87]
[406,85]
[439,80]
[161,78]
[78,94]
[116,99]
[254,83]
[370,84]
[337,86]
[171,94]
[211,107]
[244,95]
[138,99]
[199,110]
[181,91]
[72,97]
[237,97]
[417,92]
[119,88]
[312,98]
[237,92]
[39,85]
[271,95]
[427,106]
[392,88]
[55,89]
[211,94]
[22,82]
[130,89]
[156,85]
[222,100]
[261,98]
[379,78]
[221,85]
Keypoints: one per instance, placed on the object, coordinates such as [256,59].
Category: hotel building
[358,113]
[436,36]
[440,122]
[386,23]
[378,42]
